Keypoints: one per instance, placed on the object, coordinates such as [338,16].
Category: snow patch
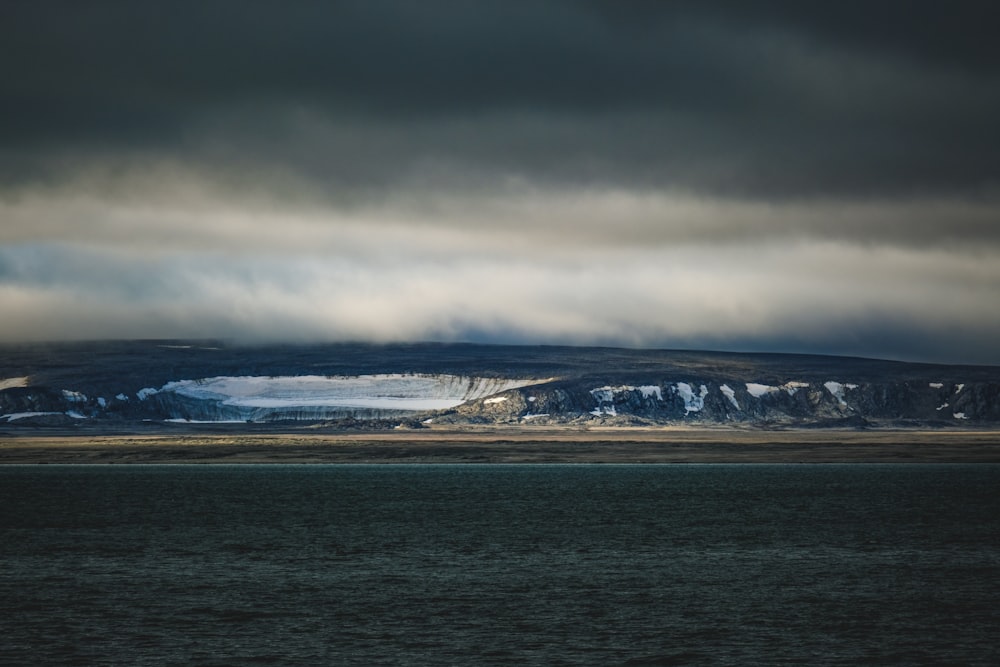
[75,415]
[605,396]
[730,394]
[14,416]
[935,385]
[530,417]
[101,402]
[959,388]
[648,390]
[74,396]
[959,415]
[121,397]
[837,390]
[145,393]
[791,388]
[692,402]
[607,393]
[10,383]
[758,390]
[943,406]
[532,399]
[496,399]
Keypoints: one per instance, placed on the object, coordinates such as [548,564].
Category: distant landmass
[100,385]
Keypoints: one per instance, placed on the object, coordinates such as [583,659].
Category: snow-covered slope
[315,397]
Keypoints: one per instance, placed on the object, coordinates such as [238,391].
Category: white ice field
[260,397]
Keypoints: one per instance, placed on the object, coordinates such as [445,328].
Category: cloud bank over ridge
[635,173]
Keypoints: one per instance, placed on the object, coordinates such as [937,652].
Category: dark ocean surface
[500,565]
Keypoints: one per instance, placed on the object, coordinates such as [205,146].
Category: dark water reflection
[440,565]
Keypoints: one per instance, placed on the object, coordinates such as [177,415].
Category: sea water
[500,565]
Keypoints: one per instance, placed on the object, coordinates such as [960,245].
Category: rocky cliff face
[485,384]
[708,401]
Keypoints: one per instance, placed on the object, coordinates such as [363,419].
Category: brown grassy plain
[512,445]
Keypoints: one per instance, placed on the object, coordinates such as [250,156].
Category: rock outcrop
[711,402]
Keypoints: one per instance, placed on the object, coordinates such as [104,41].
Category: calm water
[500,565]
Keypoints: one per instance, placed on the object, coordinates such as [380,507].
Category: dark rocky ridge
[78,383]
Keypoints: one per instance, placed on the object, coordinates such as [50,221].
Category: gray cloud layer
[774,101]
[771,175]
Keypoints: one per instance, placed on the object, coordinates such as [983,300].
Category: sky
[748,176]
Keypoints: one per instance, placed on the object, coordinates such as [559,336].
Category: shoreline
[510,445]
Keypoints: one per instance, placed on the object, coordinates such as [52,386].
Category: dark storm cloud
[750,175]
[753,99]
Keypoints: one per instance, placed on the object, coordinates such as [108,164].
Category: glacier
[264,398]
